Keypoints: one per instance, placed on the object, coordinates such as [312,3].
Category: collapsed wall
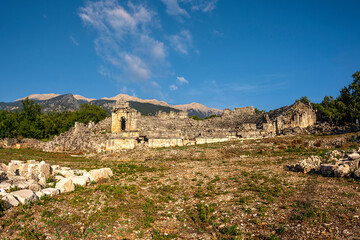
[132,130]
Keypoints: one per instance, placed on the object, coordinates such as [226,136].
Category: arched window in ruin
[123,124]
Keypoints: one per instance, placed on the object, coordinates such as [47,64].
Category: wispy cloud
[206,6]
[182,80]
[181,42]
[124,37]
[75,42]
[173,8]
[173,87]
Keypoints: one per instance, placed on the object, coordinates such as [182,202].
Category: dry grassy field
[233,190]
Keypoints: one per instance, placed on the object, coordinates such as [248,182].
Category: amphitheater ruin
[128,129]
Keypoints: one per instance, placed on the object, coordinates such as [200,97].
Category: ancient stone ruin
[27,181]
[128,129]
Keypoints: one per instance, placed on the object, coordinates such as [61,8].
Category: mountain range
[69,102]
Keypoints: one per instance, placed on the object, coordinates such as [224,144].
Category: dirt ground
[233,190]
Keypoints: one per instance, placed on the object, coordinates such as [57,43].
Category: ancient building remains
[128,129]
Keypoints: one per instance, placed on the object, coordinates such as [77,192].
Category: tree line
[342,110]
[31,122]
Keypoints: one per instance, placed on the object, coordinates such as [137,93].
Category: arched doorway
[123,124]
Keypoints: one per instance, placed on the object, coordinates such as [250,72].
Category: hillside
[70,102]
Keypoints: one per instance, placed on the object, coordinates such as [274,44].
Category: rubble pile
[27,181]
[339,164]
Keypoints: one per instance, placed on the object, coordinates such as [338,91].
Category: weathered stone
[25,196]
[54,168]
[10,200]
[100,174]
[5,185]
[58,178]
[81,180]
[50,191]
[306,165]
[65,185]
[39,194]
[342,170]
[35,187]
[357,174]
[354,156]
[2,175]
[45,169]
[327,169]
[2,192]
[3,167]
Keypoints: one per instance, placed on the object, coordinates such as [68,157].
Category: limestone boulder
[81,180]
[39,194]
[10,200]
[354,156]
[65,185]
[342,170]
[25,196]
[3,167]
[58,178]
[6,185]
[45,169]
[50,191]
[100,174]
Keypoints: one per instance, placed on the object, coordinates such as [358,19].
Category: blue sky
[220,53]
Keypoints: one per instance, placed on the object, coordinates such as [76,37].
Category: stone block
[65,185]
[25,196]
[58,178]
[327,169]
[81,180]
[5,185]
[10,200]
[99,174]
[45,169]
[354,156]
[34,187]
[50,191]
[2,192]
[39,194]
[357,174]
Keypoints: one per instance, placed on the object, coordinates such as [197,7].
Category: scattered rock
[357,174]
[35,187]
[354,156]
[11,200]
[81,180]
[25,196]
[50,191]
[342,170]
[65,185]
[100,174]
[306,165]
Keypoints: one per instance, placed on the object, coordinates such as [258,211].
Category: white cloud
[75,42]
[173,87]
[182,80]
[124,38]
[181,42]
[173,8]
[206,6]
